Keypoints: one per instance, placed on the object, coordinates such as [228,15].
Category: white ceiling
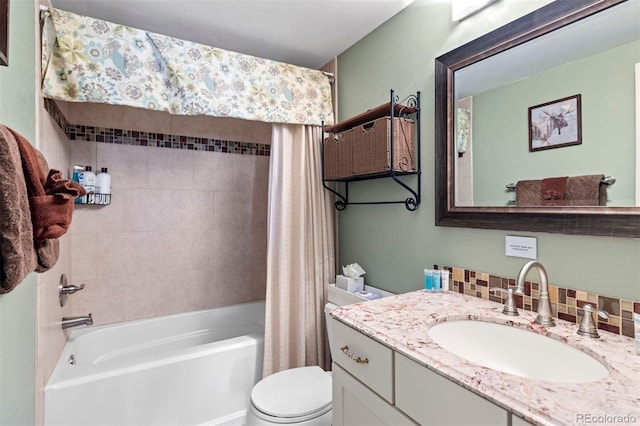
[307,33]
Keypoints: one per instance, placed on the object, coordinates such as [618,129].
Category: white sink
[516,351]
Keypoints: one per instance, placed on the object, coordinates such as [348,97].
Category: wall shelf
[407,108]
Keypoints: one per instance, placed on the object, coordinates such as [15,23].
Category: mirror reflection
[554,117]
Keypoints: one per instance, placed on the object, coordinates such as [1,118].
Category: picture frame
[555,124]
[4,32]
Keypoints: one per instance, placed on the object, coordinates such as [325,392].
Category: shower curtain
[300,250]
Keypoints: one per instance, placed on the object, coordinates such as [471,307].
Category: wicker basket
[337,155]
[365,150]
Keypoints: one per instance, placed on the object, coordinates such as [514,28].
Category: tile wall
[186,228]
[564,301]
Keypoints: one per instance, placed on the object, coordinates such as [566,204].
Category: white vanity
[388,371]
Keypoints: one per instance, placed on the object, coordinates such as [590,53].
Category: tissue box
[350,284]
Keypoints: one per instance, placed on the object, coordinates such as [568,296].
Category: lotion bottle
[444,280]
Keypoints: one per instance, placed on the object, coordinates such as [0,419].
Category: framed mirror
[549,98]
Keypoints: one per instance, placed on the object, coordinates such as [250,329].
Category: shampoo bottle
[88,181]
[103,187]
[436,280]
[77,169]
[428,279]
[103,182]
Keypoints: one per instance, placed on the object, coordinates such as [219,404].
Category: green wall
[394,245]
[18,308]
[500,127]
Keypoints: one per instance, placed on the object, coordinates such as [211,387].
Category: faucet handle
[510,307]
[588,325]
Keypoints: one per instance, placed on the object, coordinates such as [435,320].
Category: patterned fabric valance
[90,60]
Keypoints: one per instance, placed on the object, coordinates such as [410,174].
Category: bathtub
[196,368]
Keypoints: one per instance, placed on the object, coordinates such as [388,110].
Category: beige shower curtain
[300,250]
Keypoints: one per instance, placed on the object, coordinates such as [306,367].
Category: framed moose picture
[555,124]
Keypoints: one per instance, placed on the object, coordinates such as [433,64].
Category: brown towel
[528,193]
[50,196]
[552,191]
[586,190]
[19,253]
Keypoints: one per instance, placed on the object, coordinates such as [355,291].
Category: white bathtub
[196,368]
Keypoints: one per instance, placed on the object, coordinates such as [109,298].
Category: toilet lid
[293,393]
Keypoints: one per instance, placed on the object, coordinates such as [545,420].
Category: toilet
[298,396]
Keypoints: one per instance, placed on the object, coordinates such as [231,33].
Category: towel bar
[607,180]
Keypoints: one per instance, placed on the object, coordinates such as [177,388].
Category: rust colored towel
[528,193]
[50,196]
[586,190]
[552,191]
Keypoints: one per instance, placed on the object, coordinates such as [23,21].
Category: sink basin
[516,351]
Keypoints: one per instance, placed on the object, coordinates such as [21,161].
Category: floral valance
[91,60]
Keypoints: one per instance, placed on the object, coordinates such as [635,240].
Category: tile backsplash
[565,302]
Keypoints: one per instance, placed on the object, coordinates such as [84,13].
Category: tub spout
[68,322]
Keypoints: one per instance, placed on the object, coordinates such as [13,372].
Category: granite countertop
[402,322]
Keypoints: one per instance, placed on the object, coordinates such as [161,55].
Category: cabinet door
[356,405]
[430,399]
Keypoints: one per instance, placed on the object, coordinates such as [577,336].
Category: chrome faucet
[68,322]
[544,303]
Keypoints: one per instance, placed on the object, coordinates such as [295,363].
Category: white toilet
[299,396]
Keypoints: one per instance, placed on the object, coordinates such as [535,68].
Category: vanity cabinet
[356,404]
[375,385]
[430,399]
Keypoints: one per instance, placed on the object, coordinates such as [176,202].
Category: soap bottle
[103,187]
[88,180]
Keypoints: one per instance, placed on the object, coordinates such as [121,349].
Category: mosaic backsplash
[161,140]
[565,302]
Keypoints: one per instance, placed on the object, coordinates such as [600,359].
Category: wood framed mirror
[559,20]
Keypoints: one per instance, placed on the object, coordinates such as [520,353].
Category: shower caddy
[383,142]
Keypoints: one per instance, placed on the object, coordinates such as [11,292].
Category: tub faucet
[544,303]
[68,322]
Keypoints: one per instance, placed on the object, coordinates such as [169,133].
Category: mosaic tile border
[161,140]
[564,301]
